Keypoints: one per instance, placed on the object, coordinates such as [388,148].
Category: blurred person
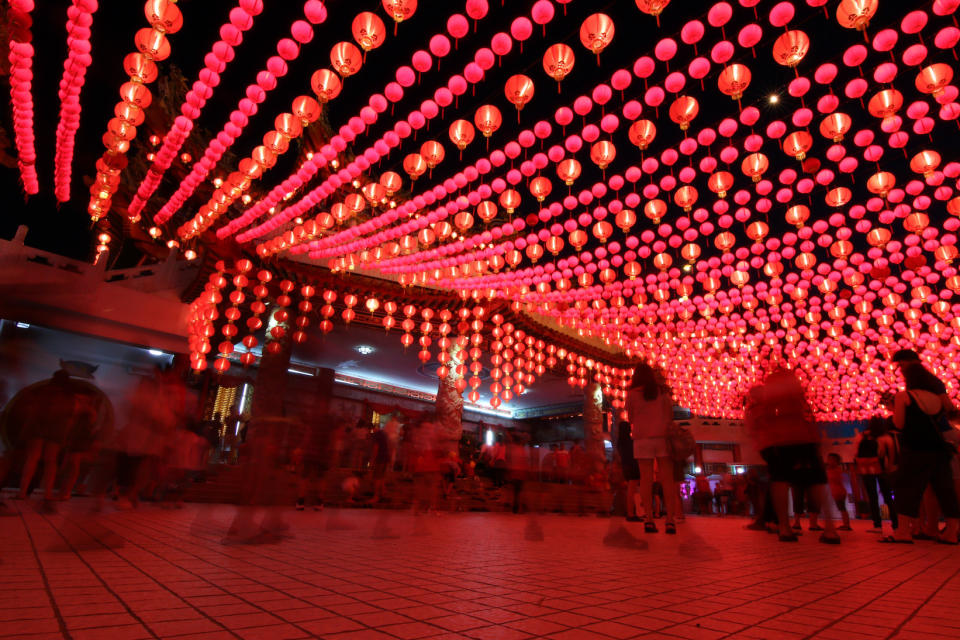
[392,430]
[781,423]
[379,461]
[407,452]
[338,442]
[838,490]
[494,457]
[259,518]
[186,459]
[650,411]
[145,438]
[702,494]
[426,468]
[359,444]
[517,468]
[450,468]
[548,466]
[311,462]
[526,493]
[756,489]
[92,426]
[629,469]
[920,413]
[579,462]
[725,488]
[563,463]
[876,462]
[624,473]
[48,411]
[801,498]
[212,428]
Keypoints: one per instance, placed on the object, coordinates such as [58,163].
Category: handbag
[680,442]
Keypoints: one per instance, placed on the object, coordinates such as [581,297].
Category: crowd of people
[66,426]
[909,458]
[61,435]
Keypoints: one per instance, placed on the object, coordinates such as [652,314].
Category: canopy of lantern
[525,187]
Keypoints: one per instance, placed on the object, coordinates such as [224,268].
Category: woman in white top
[650,411]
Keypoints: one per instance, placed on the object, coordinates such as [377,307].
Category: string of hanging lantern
[79,20]
[288,49]
[430,109]
[21,91]
[152,46]
[241,19]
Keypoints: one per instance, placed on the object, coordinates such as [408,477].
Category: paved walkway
[157,573]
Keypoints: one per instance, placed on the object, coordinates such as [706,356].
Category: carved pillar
[593,423]
[450,401]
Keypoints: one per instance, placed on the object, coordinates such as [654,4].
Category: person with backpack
[650,411]
[876,459]
[920,412]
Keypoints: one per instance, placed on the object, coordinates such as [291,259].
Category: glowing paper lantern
[558,62]
[596,33]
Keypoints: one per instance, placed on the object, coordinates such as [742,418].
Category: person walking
[877,455]
[920,412]
[781,423]
[631,472]
[838,489]
[650,411]
[47,410]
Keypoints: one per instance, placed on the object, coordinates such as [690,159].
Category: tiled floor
[165,574]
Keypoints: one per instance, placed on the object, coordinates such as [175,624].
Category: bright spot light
[774,99]
[155,352]
[697,469]
[365,349]
[488,438]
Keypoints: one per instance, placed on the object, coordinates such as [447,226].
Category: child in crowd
[838,489]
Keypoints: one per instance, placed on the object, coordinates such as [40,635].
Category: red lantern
[325,84]
[596,32]
[391,182]
[683,110]
[934,78]
[558,62]
[569,170]
[432,152]
[790,48]
[797,144]
[720,182]
[486,211]
[602,153]
[540,187]
[642,133]
[655,210]
[519,91]
[461,133]
[488,119]
[755,165]
[415,165]
[856,14]
[400,10]
[734,80]
[345,59]
[368,30]
[653,7]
